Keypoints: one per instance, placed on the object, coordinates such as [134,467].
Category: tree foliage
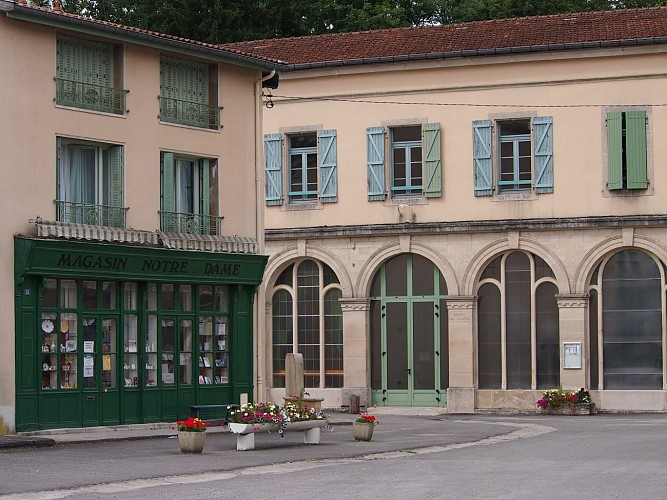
[218,21]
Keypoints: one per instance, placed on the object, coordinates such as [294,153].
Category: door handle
[409,371]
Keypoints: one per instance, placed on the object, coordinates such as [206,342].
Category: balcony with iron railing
[189,113]
[86,213]
[178,222]
[90,96]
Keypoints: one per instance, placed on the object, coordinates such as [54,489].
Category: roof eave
[478,52]
[118,32]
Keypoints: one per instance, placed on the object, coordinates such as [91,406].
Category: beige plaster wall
[31,121]
[576,92]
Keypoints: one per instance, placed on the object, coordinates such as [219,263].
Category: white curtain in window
[81,185]
[185,187]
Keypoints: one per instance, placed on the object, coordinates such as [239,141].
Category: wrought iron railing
[177,222]
[189,113]
[85,213]
[89,96]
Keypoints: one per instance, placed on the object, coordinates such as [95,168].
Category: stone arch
[280,260]
[492,250]
[363,284]
[611,245]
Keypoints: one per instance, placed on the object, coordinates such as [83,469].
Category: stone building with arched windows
[467,215]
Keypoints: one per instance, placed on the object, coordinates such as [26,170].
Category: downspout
[260,308]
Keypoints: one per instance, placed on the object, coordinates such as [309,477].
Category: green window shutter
[432,160]
[544,154]
[59,194]
[167,188]
[327,159]
[184,80]
[482,159]
[635,149]
[615,150]
[116,166]
[66,58]
[84,61]
[273,162]
[375,161]
[205,183]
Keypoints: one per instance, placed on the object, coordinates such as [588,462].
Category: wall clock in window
[47,326]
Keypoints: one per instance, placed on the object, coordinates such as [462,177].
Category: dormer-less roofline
[122,33]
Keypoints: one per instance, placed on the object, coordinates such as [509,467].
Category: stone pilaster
[461,391]
[572,320]
[356,345]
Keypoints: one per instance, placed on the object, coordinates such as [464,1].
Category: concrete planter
[191,442]
[362,431]
[575,409]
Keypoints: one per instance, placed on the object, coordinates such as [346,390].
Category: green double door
[409,335]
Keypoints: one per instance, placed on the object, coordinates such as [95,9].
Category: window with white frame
[522,160]
[90,182]
[414,166]
[311,173]
[186,202]
[307,318]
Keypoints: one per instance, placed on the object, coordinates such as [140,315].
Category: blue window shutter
[432,160]
[544,154]
[614,150]
[375,158]
[482,159]
[273,161]
[635,143]
[167,171]
[327,158]
[205,176]
[116,166]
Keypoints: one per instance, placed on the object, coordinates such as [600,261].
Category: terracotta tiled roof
[553,32]
[78,20]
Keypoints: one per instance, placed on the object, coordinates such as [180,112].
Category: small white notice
[572,355]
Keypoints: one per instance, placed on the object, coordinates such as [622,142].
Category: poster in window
[572,355]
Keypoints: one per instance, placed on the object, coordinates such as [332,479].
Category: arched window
[515,288]
[625,322]
[307,318]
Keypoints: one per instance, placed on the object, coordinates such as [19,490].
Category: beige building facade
[130,246]
[466,216]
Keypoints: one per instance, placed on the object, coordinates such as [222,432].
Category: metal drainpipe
[259,308]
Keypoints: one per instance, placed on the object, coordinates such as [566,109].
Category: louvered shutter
[635,143]
[167,171]
[327,158]
[116,167]
[544,154]
[375,161]
[205,183]
[614,150]
[59,174]
[273,169]
[482,158]
[432,160]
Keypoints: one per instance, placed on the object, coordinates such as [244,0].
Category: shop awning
[176,241]
[208,243]
[52,229]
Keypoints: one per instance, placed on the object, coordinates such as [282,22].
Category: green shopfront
[110,334]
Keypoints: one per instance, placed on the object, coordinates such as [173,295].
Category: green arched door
[409,346]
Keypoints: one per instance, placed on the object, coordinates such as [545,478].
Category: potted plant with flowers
[191,435]
[566,402]
[363,426]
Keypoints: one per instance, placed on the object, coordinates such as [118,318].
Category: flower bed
[566,402]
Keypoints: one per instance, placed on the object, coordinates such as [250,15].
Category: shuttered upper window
[414,167]
[88,75]
[188,195]
[627,150]
[311,172]
[524,158]
[188,93]
[90,183]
